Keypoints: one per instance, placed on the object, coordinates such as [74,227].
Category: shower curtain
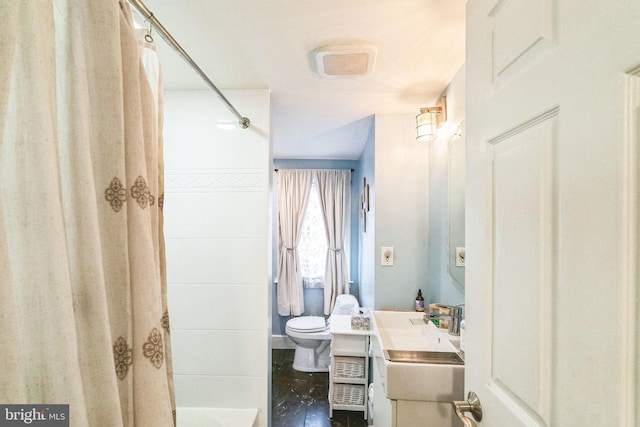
[83,317]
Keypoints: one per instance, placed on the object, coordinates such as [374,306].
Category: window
[312,247]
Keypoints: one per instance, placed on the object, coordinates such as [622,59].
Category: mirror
[456,208]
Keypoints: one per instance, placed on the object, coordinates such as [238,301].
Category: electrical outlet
[460,257]
[387,255]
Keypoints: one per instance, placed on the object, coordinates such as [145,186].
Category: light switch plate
[386,255]
[460,257]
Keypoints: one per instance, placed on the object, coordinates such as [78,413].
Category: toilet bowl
[312,338]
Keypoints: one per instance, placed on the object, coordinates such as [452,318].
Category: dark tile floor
[299,399]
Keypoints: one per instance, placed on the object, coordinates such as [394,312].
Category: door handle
[472,404]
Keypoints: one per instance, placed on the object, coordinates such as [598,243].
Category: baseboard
[281,342]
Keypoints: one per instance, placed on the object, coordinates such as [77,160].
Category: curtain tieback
[335,249]
[287,247]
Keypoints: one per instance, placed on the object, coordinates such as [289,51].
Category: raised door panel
[522,30]
[524,222]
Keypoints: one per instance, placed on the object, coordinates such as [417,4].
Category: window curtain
[293,192]
[82,276]
[334,188]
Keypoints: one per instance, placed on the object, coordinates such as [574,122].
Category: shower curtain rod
[144,11]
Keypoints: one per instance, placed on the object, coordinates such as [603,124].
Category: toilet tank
[344,304]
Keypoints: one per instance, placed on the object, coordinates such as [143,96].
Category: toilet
[312,338]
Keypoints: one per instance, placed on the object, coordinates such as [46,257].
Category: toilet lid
[307,324]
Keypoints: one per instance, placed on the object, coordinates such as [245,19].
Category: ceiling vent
[345,60]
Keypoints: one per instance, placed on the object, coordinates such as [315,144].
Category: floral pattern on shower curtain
[83,317]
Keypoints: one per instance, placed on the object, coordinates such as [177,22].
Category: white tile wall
[218,352]
[198,307]
[220,391]
[217,231]
[207,211]
[234,261]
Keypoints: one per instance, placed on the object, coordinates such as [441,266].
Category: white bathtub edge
[224,417]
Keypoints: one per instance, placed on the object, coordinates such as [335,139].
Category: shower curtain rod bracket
[167,37]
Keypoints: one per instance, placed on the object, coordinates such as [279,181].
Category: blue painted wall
[366,265]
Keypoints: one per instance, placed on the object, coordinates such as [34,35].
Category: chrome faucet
[454,317]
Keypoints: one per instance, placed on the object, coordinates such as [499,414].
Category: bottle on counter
[419,301]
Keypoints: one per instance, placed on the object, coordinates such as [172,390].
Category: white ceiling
[249,44]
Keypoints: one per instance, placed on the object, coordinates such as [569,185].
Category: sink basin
[416,360]
[408,331]
[415,356]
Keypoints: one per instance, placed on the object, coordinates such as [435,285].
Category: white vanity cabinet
[410,394]
[349,369]
[403,413]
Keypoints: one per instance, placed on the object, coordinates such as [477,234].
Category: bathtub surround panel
[197,299]
[203,208]
[223,353]
[197,143]
[218,267]
[222,391]
[212,417]
[215,261]
[215,180]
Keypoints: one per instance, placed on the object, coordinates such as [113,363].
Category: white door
[551,134]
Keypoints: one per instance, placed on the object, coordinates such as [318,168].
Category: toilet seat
[307,324]
[320,336]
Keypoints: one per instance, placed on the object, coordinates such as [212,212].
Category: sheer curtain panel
[293,192]
[83,317]
[334,188]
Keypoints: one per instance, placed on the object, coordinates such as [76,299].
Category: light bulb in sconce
[430,119]
[426,127]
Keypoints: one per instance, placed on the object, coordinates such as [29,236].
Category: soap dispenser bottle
[419,301]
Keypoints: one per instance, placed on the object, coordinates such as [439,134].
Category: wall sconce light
[430,119]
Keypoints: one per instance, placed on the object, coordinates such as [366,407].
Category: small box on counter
[442,323]
[360,319]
